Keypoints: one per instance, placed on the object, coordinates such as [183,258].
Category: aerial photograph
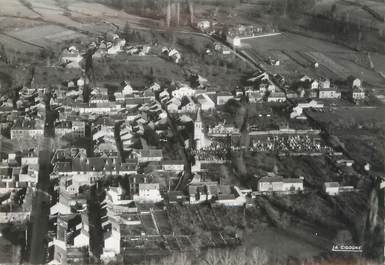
[192,132]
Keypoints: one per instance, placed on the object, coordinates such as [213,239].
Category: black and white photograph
[192,132]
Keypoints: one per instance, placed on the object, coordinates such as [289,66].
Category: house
[148,192]
[331,188]
[71,57]
[63,128]
[205,102]
[229,196]
[314,85]
[267,86]
[127,89]
[68,228]
[202,191]
[276,97]
[357,83]
[324,84]
[117,196]
[188,105]
[297,112]
[8,178]
[78,128]
[99,98]
[175,55]
[223,129]
[116,45]
[83,238]
[94,108]
[148,155]
[164,95]
[203,25]
[225,50]
[173,105]
[172,165]
[279,184]
[29,157]
[305,78]
[154,87]
[345,162]
[25,128]
[172,54]
[329,93]
[183,91]
[358,94]
[293,184]
[270,184]
[254,95]
[223,97]
[100,91]
[122,226]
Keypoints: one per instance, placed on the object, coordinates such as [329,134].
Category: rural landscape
[192,132]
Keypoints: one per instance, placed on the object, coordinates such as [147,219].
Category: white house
[331,188]
[148,192]
[205,102]
[279,184]
[357,83]
[149,155]
[183,91]
[314,85]
[223,97]
[305,78]
[358,94]
[203,24]
[173,165]
[115,46]
[292,184]
[276,97]
[325,84]
[329,93]
[71,57]
[127,90]
[298,110]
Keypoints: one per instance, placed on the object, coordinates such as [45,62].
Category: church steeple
[199,118]
[198,133]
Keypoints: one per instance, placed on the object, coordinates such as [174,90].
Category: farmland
[39,24]
[361,132]
[45,35]
[298,55]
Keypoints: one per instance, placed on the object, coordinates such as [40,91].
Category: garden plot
[162,222]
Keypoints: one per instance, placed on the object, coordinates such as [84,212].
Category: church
[200,139]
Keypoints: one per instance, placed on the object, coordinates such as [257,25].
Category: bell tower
[198,133]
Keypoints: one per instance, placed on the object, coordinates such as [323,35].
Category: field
[300,53]
[36,24]
[361,131]
[148,224]
[352,117]
[46,35]
[162,221]
[352,9]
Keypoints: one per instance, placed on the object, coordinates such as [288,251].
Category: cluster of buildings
[263,87]
[108,133]
[324,89]
[112,45]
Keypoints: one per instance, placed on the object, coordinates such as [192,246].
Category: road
[40,211]
[41,201]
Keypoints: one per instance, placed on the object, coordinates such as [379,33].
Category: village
[126,165]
